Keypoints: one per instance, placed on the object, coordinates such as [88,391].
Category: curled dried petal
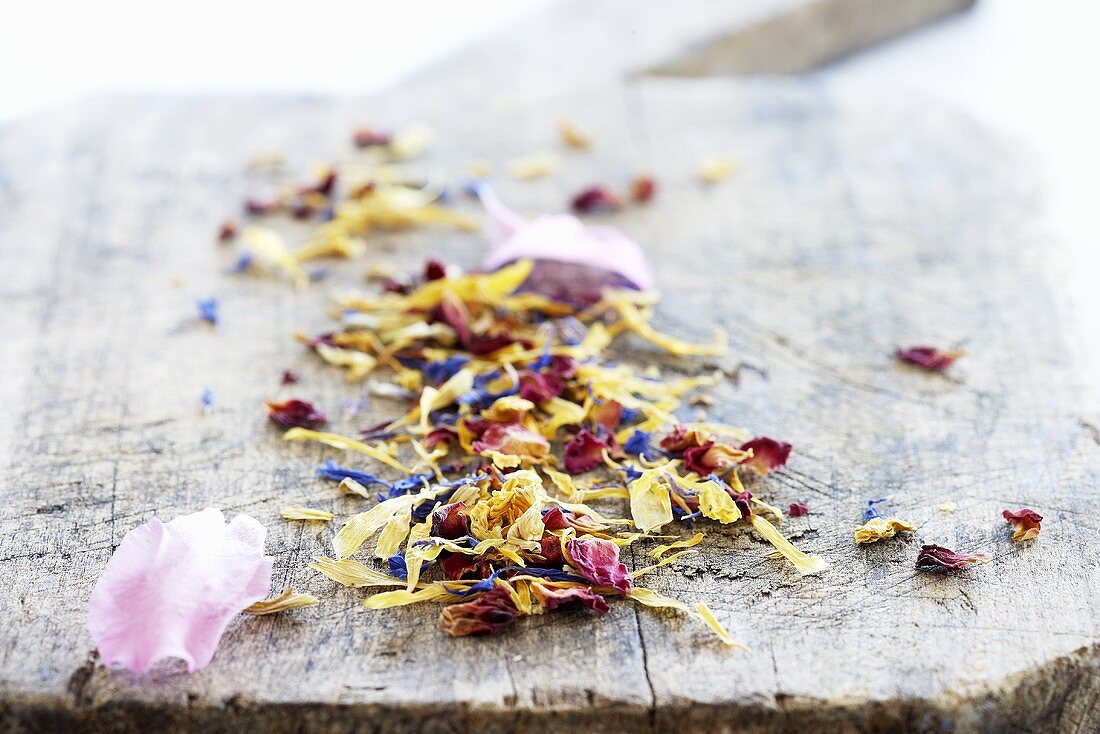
[554,597]
[598,561]
[878,528]
[584,453]
[767,454]
[797,509]
[1025,523]
[296,413]
[938,558]
[488,614]
[927,358]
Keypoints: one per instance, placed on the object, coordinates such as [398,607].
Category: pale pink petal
[571,259]
[171,590]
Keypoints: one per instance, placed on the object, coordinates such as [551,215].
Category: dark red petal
[928,358]
[595,199]
[441,435]
[228,230]
[296,414]
[584,453]
[434,270]
[450,521]
[552,598]
[797,509]
[539,388]
[938,558]
[488,614]
[767,454]
[551,552]
[290,378]
[695,459]
[741,499]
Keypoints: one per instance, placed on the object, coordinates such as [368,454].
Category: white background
[1025,67]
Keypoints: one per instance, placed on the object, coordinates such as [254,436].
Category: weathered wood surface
[850,227]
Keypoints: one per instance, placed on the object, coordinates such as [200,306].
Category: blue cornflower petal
[330,470]
[396,562]
[869,512]
[638,444]
[208,310]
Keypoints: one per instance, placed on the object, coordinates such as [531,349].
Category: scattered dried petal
[938,558]
[488,614]
[1025,523]
[290,378]
[598,561]
[305,513]
[573,137]
[643,189]
[584,453]
[285,602]
[296,413]
[878,528]
[797,509]
[927,358]
[715,169]
[595,200]
[767,454]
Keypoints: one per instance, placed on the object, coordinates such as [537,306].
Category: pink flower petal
[597,560]
[171,590]
[571,260]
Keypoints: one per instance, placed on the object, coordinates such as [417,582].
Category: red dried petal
[681,438]
[741,499]
[1025,523]
[797,509]
[258,207]
[927,358]
[539,388]
[228,230]
[643,188]
[695,459]
[767,454]
[597,560]
[550,552]
[440,435]
[557,519]
[488,614]
[584,453]
[365,137]
[434,270]
[553,597]
[296,413]
[458,567]
[512,438]
[596,199]
[562,368]
[290,378]
[938,558]
[450,521]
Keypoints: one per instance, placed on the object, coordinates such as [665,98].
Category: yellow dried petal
[337,441]
[285,602]
[716,503]
[350,486]
[305,513]
[534,166]
[804,562]
[708,617]
[403,597]
[878,528]
[689,543]
[573,137]
[267,246]
[353,573]
[715,169]
[650,504]
[359,364]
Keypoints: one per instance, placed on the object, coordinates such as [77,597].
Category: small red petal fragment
[1025,523]
[596,199]
[643,189]
[512,438]
[584,453]
[365,137]
[488,614]
[741,499]
[597,560]
[767,454]
[938,558]
[296,413]
[550,553]
[450,521]
[257,207]
[290,378]
[797,509]
[538,388]
[552,598]
[434,270]
[228,230]
[927,358]
[440,435]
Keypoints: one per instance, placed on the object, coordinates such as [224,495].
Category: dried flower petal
[228,231]
[643,188]
[170,590]
[450,521]
[285,602]
[536,165]
[488,614]
[878,528]
[1025,523]
[927,358]
[767,454]
[208,310]
[290,378]
[554,597]
[797,509]
[715,169]
[513,439]
[296,413]
[305,513]
[573,137]
[596,199]
[366,137]
[598,561]
[584,453]
[938,558]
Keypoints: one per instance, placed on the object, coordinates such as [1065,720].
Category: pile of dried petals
[515,404]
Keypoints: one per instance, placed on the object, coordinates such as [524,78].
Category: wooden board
[852,225]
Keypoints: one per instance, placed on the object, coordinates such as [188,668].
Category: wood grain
[852,225]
